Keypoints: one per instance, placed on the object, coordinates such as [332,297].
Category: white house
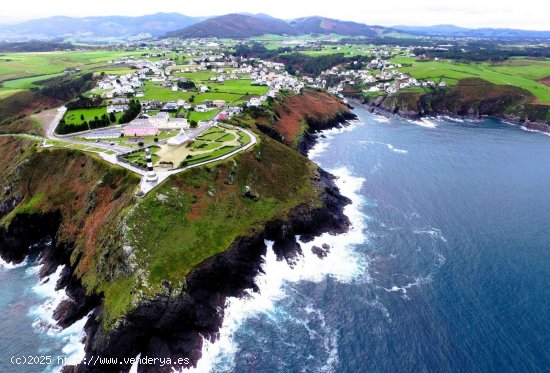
[116,108]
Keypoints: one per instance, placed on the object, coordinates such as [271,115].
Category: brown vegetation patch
[25,102]
[310,105]
[545,80]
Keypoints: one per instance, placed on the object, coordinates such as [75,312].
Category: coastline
[194,312]
[537,127]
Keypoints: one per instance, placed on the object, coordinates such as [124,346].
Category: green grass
[74,116]
[27,83]
[137,158]
[40,63]
[179,225]
[344,49]
[30,206]
[198,116]
[211,134]
[523,74]
[225,137]
[204,145]
[244,138]
[21,70]
[199,158]
[241,87]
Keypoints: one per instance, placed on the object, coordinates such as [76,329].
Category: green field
[198,116]
[74,116]
[29,82]
[344,49]
[20,70]
[241,86]
[211,134]
[521,73]
[18,65]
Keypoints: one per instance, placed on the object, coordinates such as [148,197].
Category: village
[175,102]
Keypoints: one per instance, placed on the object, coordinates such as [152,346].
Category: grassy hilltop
[124,247]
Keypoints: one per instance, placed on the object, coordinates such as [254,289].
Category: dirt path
[45,118]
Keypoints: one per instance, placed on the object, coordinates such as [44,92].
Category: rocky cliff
[297,117]
[470,97]
[156,271]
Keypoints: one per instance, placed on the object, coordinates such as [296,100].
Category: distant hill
[321,25]
[250,25]
[242,25]
[455,31]
[95,27]
[236,26]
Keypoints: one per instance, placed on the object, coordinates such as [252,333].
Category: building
[116,108]
[179,139]
[140,127]
[94,135]
[154,124]
[170,106]
[218,103]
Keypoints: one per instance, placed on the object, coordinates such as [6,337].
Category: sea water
[446,267]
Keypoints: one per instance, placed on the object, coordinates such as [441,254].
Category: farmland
[20,71]
[521,73]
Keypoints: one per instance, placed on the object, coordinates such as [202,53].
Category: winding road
[145,186]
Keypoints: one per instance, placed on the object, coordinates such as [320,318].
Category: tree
[193,123]
[192,98]
[188,84]
[140,144]
[112,117]
[134,108]
[156,139]
[82,117]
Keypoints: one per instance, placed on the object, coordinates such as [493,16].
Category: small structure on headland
[179,139]
[151,176]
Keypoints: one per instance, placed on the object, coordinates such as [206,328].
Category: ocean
[446,267]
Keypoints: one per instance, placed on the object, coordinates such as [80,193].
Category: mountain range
[245,26]
[96,27]
[228,26]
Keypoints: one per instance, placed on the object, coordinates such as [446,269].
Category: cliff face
[298,117]
[473,97]
[172,322]
[157,271]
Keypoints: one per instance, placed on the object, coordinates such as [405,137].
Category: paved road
[112,158]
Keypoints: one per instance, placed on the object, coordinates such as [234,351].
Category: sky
[524,14]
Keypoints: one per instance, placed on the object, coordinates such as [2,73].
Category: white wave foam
[418,281]
[6,265]
[71,337]
[318,148]
[434,232]
[452,119]
[536,131]
[389,146]
[43,313]
[324,136]
[397,150]
[381,119]
[424,122]
[342,263]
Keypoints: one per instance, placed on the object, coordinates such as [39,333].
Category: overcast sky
[524,14]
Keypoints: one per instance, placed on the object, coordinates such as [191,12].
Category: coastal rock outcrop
[470,97]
